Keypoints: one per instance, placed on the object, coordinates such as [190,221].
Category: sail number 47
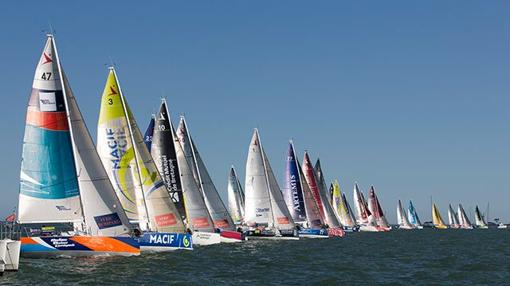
[46,75]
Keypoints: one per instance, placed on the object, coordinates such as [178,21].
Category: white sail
[197,216]
[363,214]
[48,185]
[479,221]
[257,200]
[264,203]
[281,214]
[313,215]
[463,219]
[402,220]
[235,197]
[104,215]
[453,220]
[219,214]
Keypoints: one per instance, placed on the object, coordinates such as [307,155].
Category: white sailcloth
[235,197]
[453,220]
[402,220]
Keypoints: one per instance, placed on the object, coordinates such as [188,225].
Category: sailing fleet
[134,192]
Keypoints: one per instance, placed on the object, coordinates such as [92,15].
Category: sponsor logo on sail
[107,221]
[165,220]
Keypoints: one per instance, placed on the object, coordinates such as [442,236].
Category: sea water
[418,257]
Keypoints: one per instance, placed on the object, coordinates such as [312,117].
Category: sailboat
[134,175]
[375,208]
[235,197]
[300,201]
[320,195]
[266,214]
[62,179]
[342,209]
[463,219]
[479,221]
[453,221]
[436,218]
[147,137]
[221,218]
[413,217]
[403,222]
[364,217]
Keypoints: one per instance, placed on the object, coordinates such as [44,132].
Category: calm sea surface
[424,257]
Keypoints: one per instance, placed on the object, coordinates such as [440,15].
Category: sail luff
[293,190]
[331,218]
[436,217]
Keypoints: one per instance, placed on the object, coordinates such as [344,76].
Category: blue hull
[161,241]
[313,232]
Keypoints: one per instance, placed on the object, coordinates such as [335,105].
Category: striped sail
[331,217]
[413,215]
[165,158]
[197,215]
[217,209]
[437,220]
[48,184]
[147,138]
[135,162]
[375,208]
[235,197]
[463,219]
[313,215]
[292,190]
[453,220]
[312,184]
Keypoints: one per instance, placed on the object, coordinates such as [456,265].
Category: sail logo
[47,101]
[295,193]
[162,238]
[117,143]
[165,220]
[47,58]
[62,208]
[107,221]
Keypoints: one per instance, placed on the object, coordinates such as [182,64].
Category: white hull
[230,240]
[206,238]
[369,228]
[405,227]
[161,248]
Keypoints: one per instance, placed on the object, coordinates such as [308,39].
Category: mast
[68,116]
[139,175]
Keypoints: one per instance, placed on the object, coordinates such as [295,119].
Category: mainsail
[331,217]
[351,221]
[339,205]
[69,166]
[147,138]
[413,215]
[292,188]
[218,211]
[264,201]
[164,155]
[363,215]
[325,209]
[479,220]
[463,219]
[436,218]
[235,197]
[130,165]
[375,208]
[453,220]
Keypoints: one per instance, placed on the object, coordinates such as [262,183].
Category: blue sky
[409,96]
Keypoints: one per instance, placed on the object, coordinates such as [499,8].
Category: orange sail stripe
[49,120]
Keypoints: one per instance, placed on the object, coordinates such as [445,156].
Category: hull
[502,226]
[313,233]
[162,242]
[78,246]
[228,236]
[270,235]
[440,226]
[13,248]
[351,228]
[206,238]
[405,227]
